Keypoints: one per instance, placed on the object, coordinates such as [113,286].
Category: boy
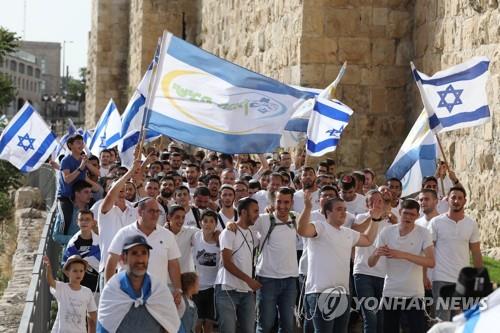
[74,302]
[85,243]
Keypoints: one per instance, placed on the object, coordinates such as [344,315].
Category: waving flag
[203,100]
[456,97]
[417,157]
[107,130]
[27,141]
[133,117]
[328,120]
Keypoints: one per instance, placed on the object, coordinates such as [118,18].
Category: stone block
[343,22]
[313,21]
[399,24]
[312,75]
[380,16]
[354,50]
[396,76]
[383,51]
[27,197]
[378,100]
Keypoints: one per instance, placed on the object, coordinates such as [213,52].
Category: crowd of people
[204,242]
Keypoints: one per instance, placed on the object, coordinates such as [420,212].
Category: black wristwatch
[376,220]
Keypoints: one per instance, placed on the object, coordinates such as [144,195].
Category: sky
[52,21]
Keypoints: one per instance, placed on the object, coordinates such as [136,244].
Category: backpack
[274,224]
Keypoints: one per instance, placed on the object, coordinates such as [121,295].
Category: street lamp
[64,60]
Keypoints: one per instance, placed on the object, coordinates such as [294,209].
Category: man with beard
[355,202]
[226,201]
[133,300]
[192,175]
[228,176]
[396,188]
[240,190]
[175,160]
[454,235]
[167,188]
[213,185]
[387,197]
[432,183]
[308,180]
[266,198]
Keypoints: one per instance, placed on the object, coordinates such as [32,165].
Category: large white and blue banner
[206,101]
[328,120]
[416,158]
[27,141]
[107,131]
[456,97]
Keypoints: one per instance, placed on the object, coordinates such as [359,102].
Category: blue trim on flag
[227,71]
[331,112]
[42,150]
[408,160]
[428,167]
[205,138]
[112,140]
[472,315]
[322,145]
[14,129]
[297,125]
[464,117]
[129,116]
[103,124]
[130,141]
[433,121]
[468,74]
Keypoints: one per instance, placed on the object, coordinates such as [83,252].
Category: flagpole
[445,161]
[151,86]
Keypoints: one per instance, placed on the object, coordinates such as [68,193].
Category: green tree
[9,42]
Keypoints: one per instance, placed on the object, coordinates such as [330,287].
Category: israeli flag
[61,148]
[107,130]
[416,158]
[483,317]
[133,117]
[27,141]
[456,97]
[206,101]
[328,120]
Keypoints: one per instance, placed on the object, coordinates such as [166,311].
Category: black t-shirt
[91,278]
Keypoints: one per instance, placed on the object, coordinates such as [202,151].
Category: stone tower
[304,42]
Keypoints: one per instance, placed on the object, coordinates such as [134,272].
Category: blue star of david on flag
[103,141]
[335,132]
[444,93]
[29,143]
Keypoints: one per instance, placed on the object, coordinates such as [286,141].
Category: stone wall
[447,33]
[29,222]
[259,35]
[374,37]
[107,58]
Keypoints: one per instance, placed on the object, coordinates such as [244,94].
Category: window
[30,70]
[21,68]
[43,65]
[13,66]
[37,73]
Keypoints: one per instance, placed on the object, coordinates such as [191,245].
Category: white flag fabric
[481,318]
[328,119]
[107,130]
[133,117]
[456,97]
[416,158]
[206,101]
[27,141]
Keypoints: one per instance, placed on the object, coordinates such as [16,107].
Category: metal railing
[36,315]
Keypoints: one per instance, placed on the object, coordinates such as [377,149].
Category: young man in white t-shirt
[266,197]
[402,245]
[455,236]
[329,254]
[235,283]
[369,281]
[355,202]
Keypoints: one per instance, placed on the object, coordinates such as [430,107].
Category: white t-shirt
[404,278]
[329,257]
[109,224]
[363,253]
[357,206]
[452,241]
[316,216]
[189,220]
[262,198]
[278,259]
[103,171]
[184,241]
[298,201]
[73,306]
[225,218]
[241,243]
[164,248]
[206,260]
